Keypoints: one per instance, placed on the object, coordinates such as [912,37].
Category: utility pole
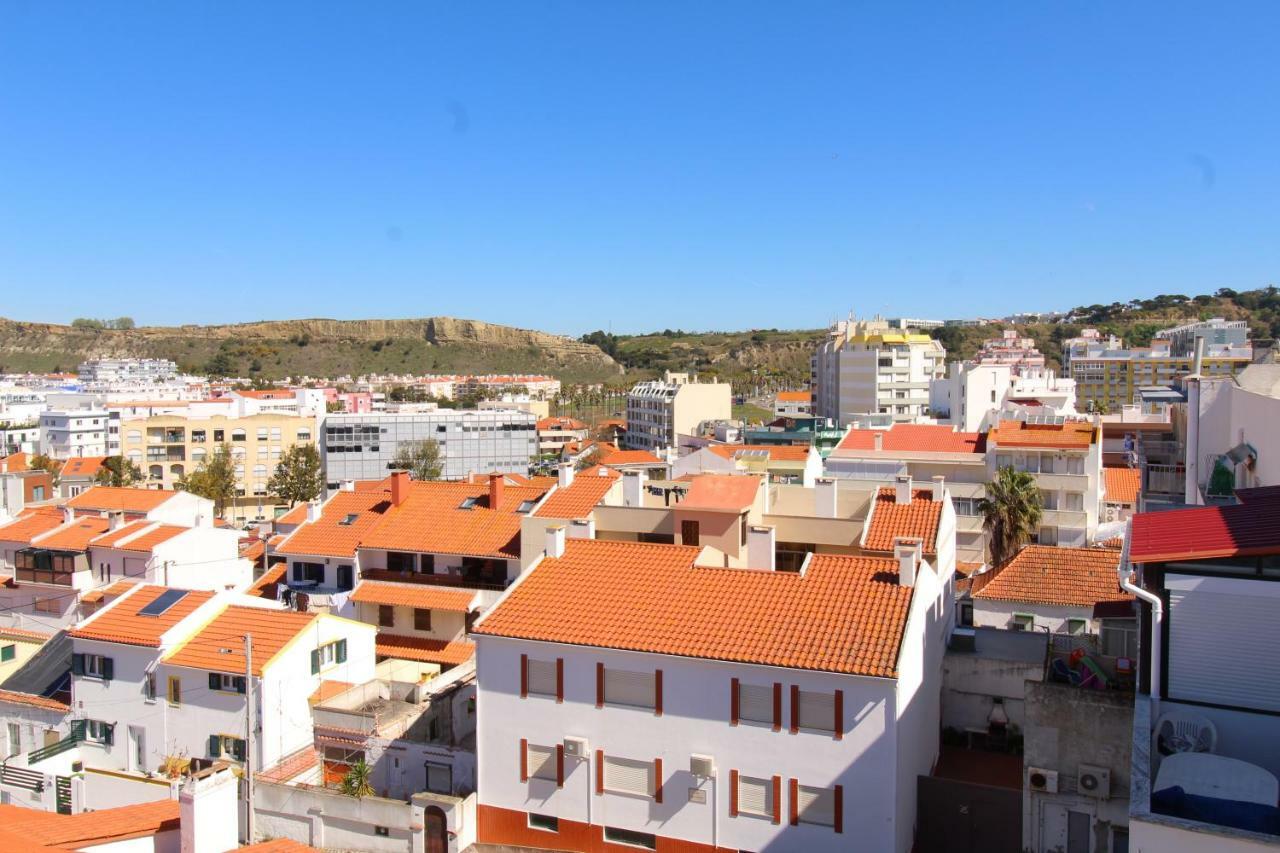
[248,737]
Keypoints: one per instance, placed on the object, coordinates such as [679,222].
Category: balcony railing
[463,580]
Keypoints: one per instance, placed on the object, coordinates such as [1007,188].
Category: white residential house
[65,433]
[630,695]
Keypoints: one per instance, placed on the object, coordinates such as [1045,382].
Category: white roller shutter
[622,687]
[817,711]
[755,796]
[627,776]
[816,805]
[542,762]
[755,703]
[1223,633]
[542,677]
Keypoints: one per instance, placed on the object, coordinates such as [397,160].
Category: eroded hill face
[318,347]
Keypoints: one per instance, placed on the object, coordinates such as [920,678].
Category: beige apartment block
[660,410]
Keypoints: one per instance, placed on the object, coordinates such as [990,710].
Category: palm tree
[356,783]
[1011,512]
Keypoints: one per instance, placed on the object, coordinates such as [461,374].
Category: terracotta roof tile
[721,492]
[120,622]
[794,396]
[332,535]
[29,525]
[844,614]
[1122,484]
[91,828]
[15,463]
[329,688]
[24,633]
[560,424]
[580,497]
[279,845]
[16,698]
[83,466]
[628,457]
[297,515]
[775,452]
[414,595]
[148,535]
[1071,577]
[75,536]
[1073,435]
[890,519]
[113,498]
[431,520]
[293,764]
[266,584]
[915,438]
[120,587]
[424,650]
[211,649]
[1200,533]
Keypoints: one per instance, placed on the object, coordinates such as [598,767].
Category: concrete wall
[998,614]
[971,681]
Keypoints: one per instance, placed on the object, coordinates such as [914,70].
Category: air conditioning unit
[1042,780]
[1094,781]
[702,765]
[576,747]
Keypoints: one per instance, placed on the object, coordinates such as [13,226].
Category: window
[237,435]
[547,823]
[542,762]
[1119,637]
[756,796]
[175,690]
[218,435]
[630,838]
[628,776]
[815,805]
[382,831]
[636,689]
[1048,535]
[226,683]
[965,617]
[149,687]
[308,572]
[816,710]
[1022,622]
[689,532]
[226,746]
[541,677]
[97,731]
[275,433]
[93,666]
[328,655]
[386,616]
[304,435]
[439,778]
[8,652]
[421,619]
[755,703]
[1074,501]
[262,433]
[398,561]
[1075,627]
[133,435]
[198,436]
[1049,499]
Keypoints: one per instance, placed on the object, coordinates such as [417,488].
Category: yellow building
[168,447]
[1113,381]
[17,645]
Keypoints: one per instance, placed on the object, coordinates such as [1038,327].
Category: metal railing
[22,777]
[72,740]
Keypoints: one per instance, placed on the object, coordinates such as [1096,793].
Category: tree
[297,477]
[589,459]
[117,471]
[420,458]
[215,479]
[46,463]
[121,323]
[356,783]
[1011,512]
[220,365]
[334,406]
[88,324]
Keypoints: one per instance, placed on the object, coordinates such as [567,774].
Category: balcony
[467,579]
[1066,482]
[1065,518]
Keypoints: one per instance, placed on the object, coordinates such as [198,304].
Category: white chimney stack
[633,483]
[824,494]
[313,510]
[879,439]
[564,476]
[760,547]
[582,528]
[208,807]
[68,515]
[939,487]
[347,486]
[555,540]
[907,552]
[902,490]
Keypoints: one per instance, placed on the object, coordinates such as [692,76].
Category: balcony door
[689,532]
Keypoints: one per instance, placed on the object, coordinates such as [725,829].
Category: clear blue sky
[568,166]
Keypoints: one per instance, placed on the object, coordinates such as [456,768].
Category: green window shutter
[215,681]
[342,651]
[239,683]
[77,664]
[108,669]
[215,746]
[77,729]
[238,750]
[8,653]
[315,661]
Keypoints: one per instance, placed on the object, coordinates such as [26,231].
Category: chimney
[208,805]
[555,541]
[68,515]
[906,551]
[1197,363]
[115,520]
[399,487]
[496,484]
[633,487]
[902,489]
[564,477]
[582,528]
[879,439]
[939,487]
[313,510]
[347,486]
[760,547]
[824,495]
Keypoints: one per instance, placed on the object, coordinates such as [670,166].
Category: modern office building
[661,409]
[363,447]
[866,368]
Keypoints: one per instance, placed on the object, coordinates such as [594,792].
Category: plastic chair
[1182,731]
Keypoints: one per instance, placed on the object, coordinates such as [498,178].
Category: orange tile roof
[1072,577]
[74,536]
[265,585]
[561,424]
[580,497]
[776,452]
[844,614]
[721,492]
[1122,484]
[328,689]
[794,396]
[120,587]
[29,525]
[24,633]
[120,622]
[279,845]
[16,698]
[628,457]
[83,466]
[115,498]
[915,438]
[297,515]
[91,828]
[424,650]
[890,519]
[147,535]
[251,548]
[414,595]
[1073,435]
[293,764]
[431,520]
[17,462]
[329,536]
[216,646]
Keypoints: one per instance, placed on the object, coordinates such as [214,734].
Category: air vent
[576,747]
[702,765]
[1094,781]
[1041,780]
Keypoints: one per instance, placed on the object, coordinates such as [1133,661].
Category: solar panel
[163,602]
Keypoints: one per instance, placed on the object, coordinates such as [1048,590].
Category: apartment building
[65,433]
[555,433]
[1206,730]
[168,447]
[973,396]
[1215,332]
[660,410]
[1017,353]
[107,370]
[865,368]
[363,447]
[631,695]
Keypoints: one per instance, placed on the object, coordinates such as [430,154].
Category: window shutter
[777,706]
[657,780]
[238,748]
[776,791]
[215,746]
[657,693]
[733,793]
[77,729]
[794,790]
[599,771]
[524,760]
[815,805]
[624,687]
[837,805]
[795,708]
[341,655]
[315,661]
[108,669]
[77,664]
[559,679]
[817,710]
[599,685]
[109,733]
[524,676]
[628,776]
[753,796]
[541,763]
[755,703]
[734,707]
[838,715]
[539,677]
[560,765]
[240,683]
[215,681]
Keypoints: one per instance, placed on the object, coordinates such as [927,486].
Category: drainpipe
[1157,612]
